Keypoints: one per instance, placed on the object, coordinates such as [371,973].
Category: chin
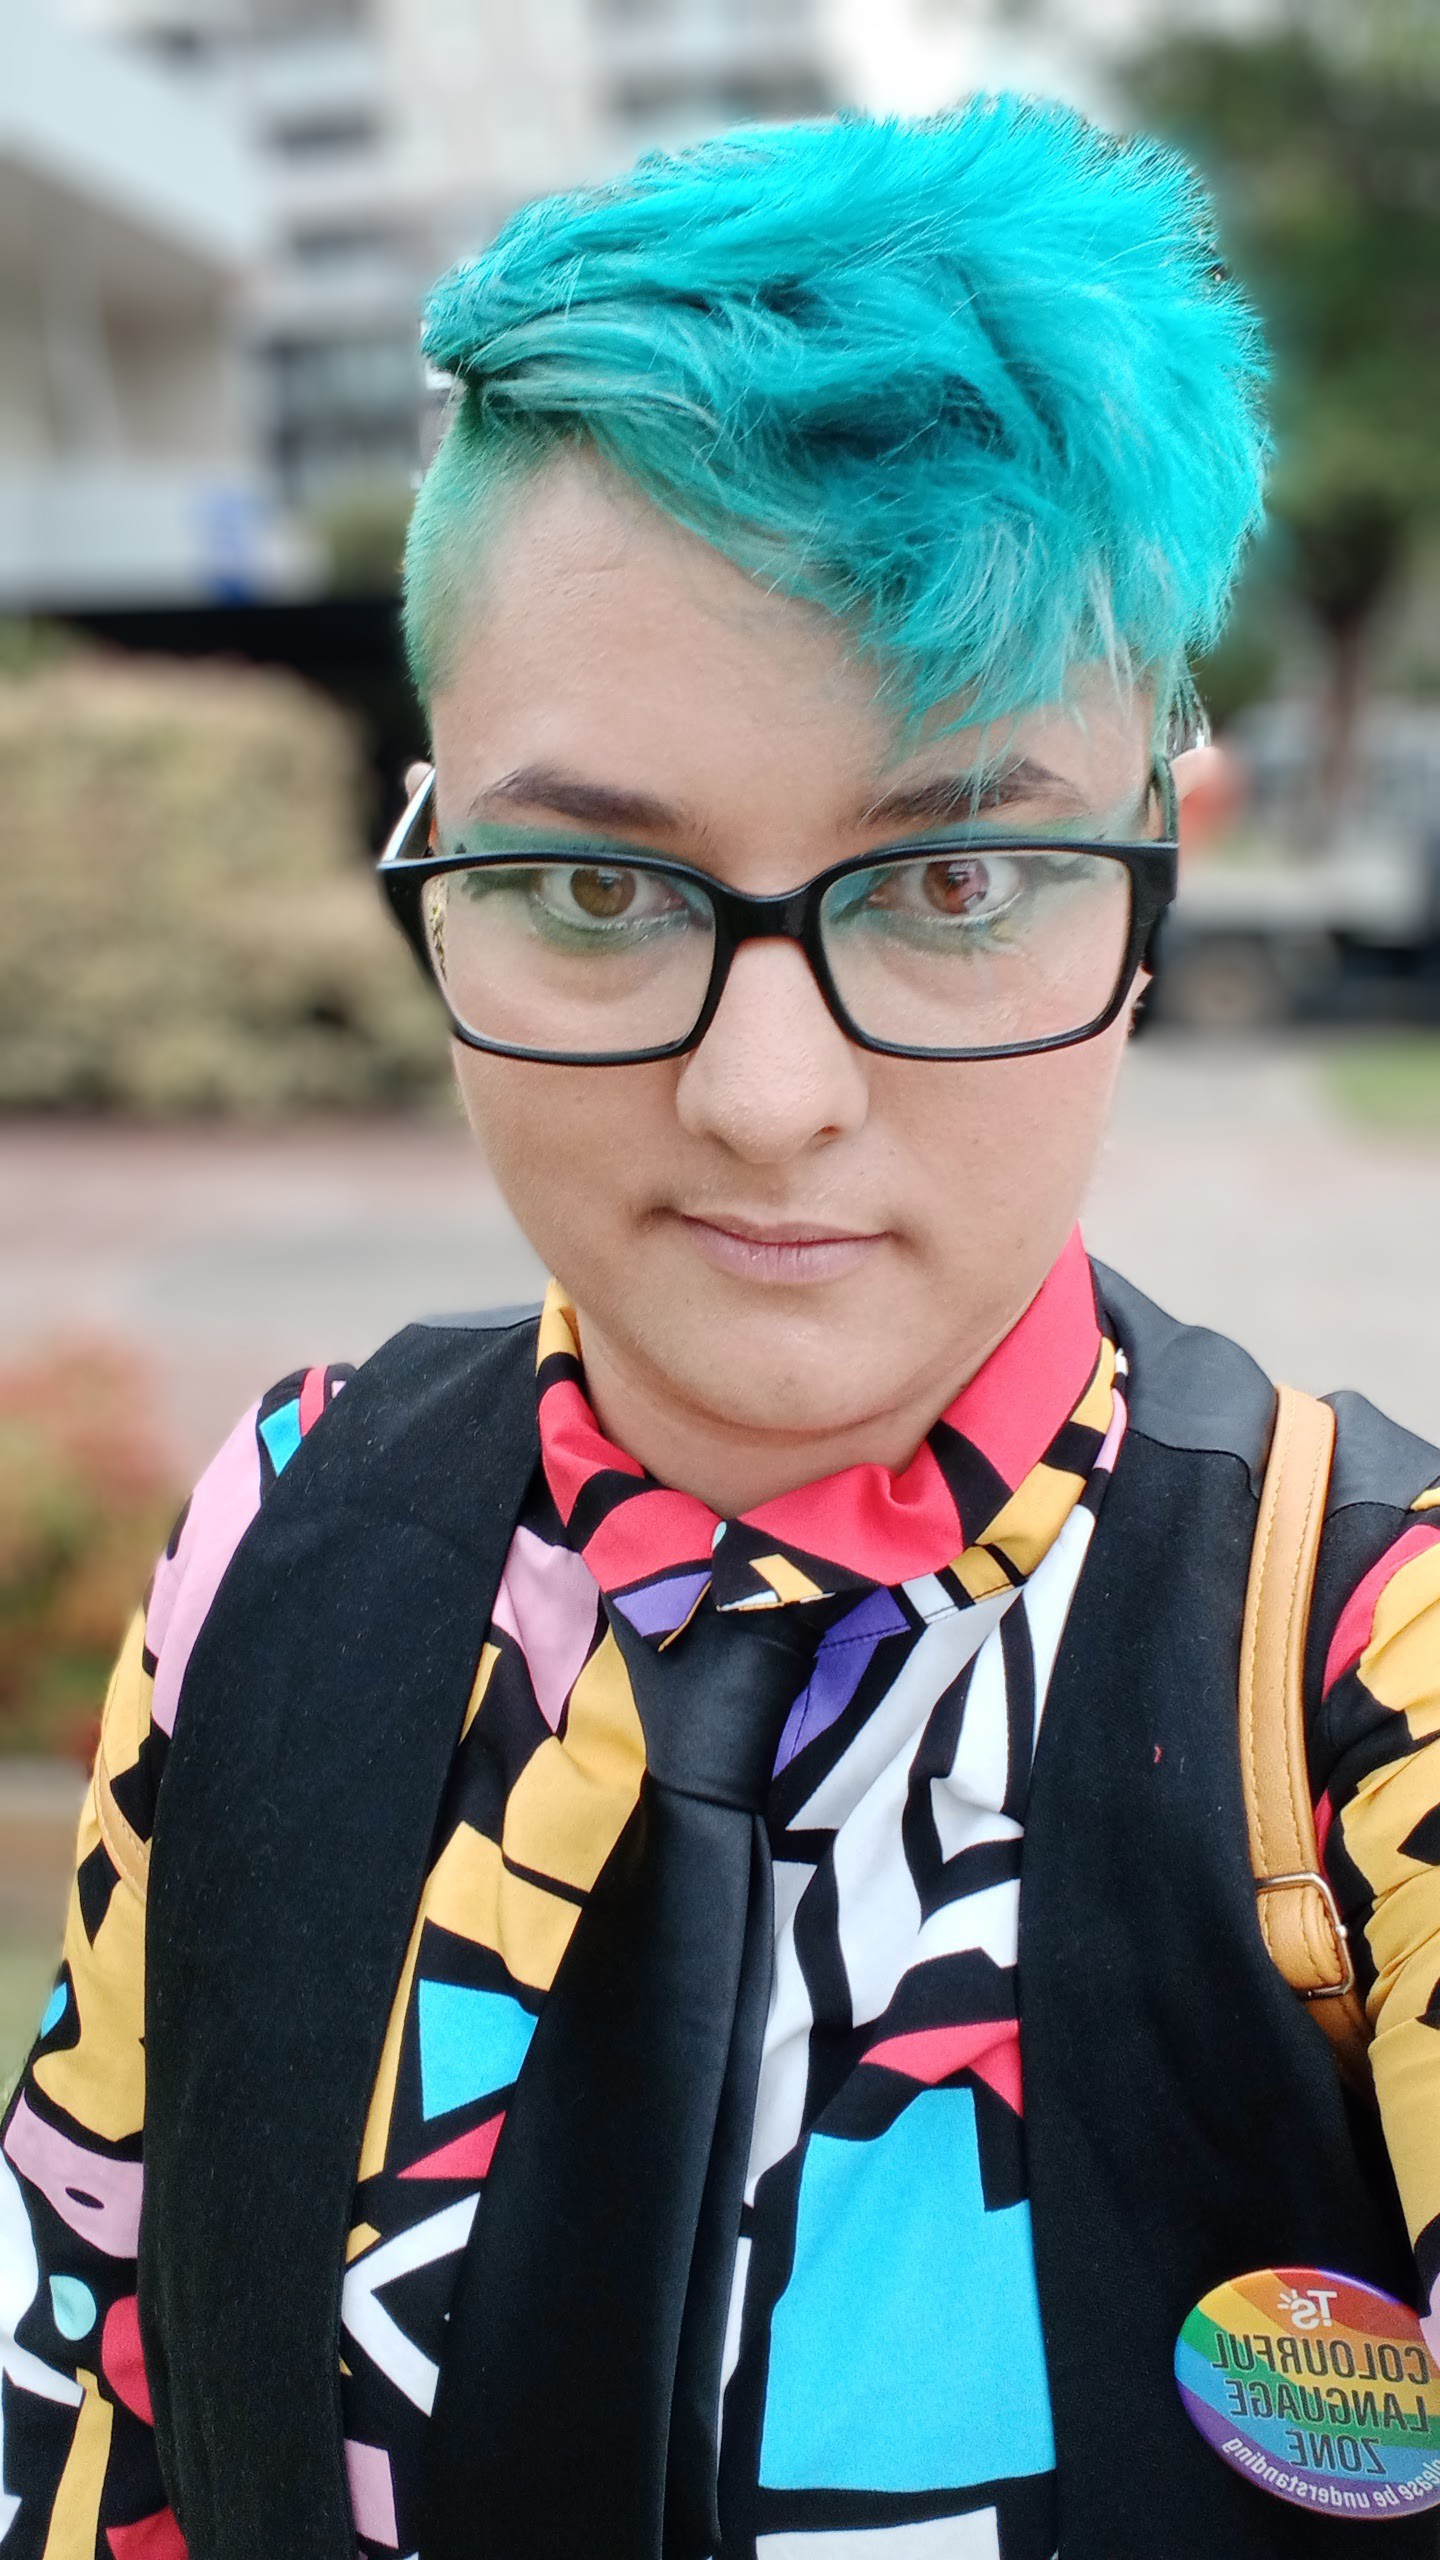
[770,1374]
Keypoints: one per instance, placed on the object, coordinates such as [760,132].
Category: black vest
[1184,2120]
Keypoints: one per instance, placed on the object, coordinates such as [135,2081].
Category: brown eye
[603,894]
[956,888]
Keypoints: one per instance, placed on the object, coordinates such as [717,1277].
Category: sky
[909,57]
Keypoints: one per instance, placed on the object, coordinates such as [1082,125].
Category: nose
[774,1075]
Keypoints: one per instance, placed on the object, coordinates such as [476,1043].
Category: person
[663,1961]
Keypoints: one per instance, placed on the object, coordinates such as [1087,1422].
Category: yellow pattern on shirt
[1400,1669]
[100,2078]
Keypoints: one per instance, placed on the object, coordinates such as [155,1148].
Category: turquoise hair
[977,384]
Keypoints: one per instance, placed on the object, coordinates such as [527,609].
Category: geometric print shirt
[884,2393]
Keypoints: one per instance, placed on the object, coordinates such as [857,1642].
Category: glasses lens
[969,949]
[585,959]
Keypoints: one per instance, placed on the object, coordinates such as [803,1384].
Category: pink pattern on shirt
[95,2197]
[222,1507]
[156,2537]
[547,1602]
[891,1524]
[988,2047]
[1016,1401]
[372,2492]
[1356,1622]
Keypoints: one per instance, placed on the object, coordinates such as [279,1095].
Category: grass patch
[1391,1083]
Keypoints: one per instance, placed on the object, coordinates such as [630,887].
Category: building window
[653,97]
[338,245]
[278,20]
[325,136]
[344,408]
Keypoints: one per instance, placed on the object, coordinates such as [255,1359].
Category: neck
[734,1466]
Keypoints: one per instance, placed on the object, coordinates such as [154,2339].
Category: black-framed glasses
[976,944]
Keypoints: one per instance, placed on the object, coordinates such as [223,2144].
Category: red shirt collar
[865,1525]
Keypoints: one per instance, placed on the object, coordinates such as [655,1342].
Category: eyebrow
[944,800]
[566,795]
[948,797]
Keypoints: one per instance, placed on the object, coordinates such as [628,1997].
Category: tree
[1321,132]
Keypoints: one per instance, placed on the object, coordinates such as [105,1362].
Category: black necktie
[578,2405]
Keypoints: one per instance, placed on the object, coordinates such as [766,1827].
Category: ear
[1194,764]
[1210,788]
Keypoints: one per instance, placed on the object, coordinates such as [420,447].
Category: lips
[793,1231]
[798,1251]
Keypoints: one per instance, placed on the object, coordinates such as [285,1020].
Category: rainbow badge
[1317,2388]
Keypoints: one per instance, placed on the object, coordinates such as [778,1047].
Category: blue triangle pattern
[471,2043]
[281,1435]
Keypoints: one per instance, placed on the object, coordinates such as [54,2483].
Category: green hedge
[188,924]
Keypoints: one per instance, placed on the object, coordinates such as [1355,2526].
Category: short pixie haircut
[979,385]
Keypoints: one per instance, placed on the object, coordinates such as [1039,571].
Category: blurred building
[129,462]
[312,166]
[264,190]
[332,156]
[387,138]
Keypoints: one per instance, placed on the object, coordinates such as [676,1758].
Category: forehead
[606,641]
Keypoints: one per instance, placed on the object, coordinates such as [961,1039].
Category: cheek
[1052,1109]
[1004,1149]
[565,1144]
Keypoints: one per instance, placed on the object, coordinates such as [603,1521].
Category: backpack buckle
[1314,1939]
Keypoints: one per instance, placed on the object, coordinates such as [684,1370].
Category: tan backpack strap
[1299,1918]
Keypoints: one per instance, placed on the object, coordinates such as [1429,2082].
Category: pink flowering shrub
[87,1498]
